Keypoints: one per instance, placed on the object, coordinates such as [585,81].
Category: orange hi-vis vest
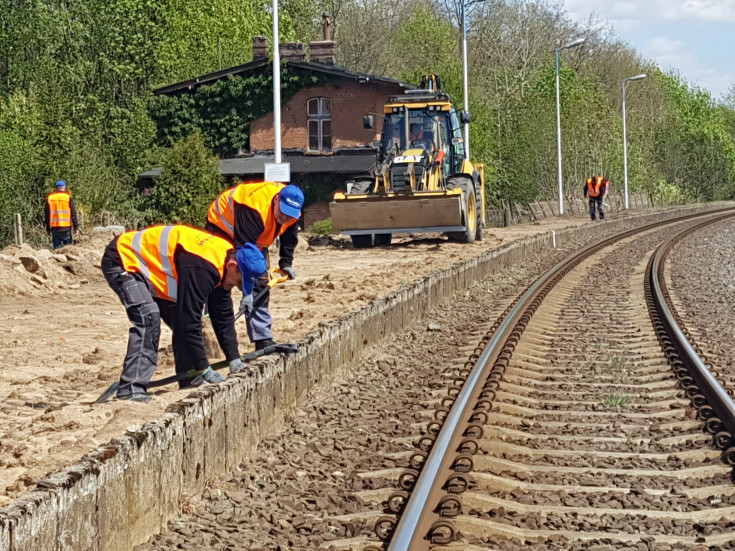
[593,187]
[59,206]
[150,252]
[257,196]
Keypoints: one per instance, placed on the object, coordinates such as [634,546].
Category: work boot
[141,397]
[264,343]
[208,376]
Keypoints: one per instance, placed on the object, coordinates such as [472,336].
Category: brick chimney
[260,48]
[322,51]
[292,50]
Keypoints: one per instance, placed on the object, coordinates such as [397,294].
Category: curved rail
[419,515]
[719,409]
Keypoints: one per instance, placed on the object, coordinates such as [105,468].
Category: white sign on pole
[278,172]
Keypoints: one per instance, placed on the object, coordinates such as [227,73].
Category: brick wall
[351,101]
[314,213]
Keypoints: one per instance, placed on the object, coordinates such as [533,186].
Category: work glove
[246,304]
[237,365]
[289,271]
[209,375]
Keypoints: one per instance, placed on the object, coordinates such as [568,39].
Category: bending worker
[61,216]
[595,189]
[169,273]
[258,213]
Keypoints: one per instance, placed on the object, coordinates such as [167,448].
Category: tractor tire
[363,241]
[470,217]
[362,186]
[383,239]
[478,203]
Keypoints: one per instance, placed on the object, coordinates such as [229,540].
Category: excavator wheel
[383,239]
[469,210]
[478,203]
[363,241]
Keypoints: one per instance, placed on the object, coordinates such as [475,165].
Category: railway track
[569,428]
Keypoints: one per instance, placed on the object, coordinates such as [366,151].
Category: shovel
[192,373]
[275,276]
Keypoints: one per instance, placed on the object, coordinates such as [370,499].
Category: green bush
[323,227]
[190,181]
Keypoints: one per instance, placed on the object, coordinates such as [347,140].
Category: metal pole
[558,138]
[276,87]
[464,74]
[625,152]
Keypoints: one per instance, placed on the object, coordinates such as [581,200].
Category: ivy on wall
[223,111]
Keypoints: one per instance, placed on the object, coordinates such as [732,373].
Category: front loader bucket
[438,212]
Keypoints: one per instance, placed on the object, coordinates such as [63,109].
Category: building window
[319,111]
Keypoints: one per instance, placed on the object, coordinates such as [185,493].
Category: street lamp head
[637,77]
[572,44]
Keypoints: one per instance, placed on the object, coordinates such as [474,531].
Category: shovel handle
[274,349]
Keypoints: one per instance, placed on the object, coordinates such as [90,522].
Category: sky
[695,38]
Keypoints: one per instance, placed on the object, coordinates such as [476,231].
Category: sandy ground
[65,335]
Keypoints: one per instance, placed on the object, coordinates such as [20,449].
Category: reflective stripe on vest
[59,204]
[257,196]
[150,252]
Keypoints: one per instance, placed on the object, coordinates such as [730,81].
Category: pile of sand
[26,271]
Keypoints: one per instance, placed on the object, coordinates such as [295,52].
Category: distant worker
[259,213]
[595,189]
[169,273]
[61,216]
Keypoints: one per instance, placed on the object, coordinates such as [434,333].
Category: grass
[619,369]
[616,400]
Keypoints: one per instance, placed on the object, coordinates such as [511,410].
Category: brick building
[322,135]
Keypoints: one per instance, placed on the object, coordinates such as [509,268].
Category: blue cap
[252,265]
[292,201]
[61,183]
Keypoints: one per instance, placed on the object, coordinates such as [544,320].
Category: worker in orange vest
[259,213]
[61,216]
[595,189]
[169,273]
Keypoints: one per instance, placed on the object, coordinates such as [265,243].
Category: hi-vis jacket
[60,211]
[595,187]
[184,267]
[151,253]
[244,214]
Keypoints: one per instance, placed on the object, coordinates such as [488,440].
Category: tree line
[76,103]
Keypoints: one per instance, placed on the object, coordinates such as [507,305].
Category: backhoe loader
[421,181]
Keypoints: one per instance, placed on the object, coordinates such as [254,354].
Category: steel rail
[717,397]
[404,536]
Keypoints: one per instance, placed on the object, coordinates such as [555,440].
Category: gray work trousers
[260,321]
[142,355]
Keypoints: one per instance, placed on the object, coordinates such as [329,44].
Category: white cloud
[717,11]
[677,56]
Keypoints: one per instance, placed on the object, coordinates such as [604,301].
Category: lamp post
[464,5]
[625,141]
[276,87]
[573,44]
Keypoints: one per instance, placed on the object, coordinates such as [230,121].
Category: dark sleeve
[222,317]
[197,281]
[289,240]
[248,225]
[74,220]
[48,217]
[585,189]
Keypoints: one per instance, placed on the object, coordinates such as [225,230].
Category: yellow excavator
[422,181]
